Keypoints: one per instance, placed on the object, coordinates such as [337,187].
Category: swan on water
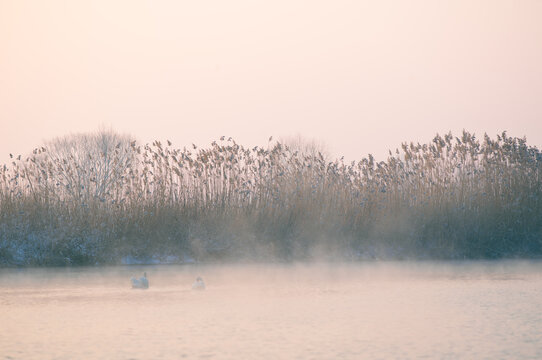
[199,284]
[141,283]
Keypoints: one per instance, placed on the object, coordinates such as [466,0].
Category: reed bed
[93,198]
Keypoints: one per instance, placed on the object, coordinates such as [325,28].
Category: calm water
[472,310]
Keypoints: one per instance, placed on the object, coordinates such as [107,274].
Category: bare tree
[90,166]
[309,147]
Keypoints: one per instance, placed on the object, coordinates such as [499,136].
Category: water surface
[381,310]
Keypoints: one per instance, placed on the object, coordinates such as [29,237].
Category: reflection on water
[371,310]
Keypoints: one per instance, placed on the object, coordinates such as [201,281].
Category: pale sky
[362,76]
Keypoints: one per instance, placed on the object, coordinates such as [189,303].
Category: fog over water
[276,311]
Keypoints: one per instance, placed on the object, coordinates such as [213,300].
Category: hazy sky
[362,76]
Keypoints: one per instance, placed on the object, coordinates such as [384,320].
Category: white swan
[141,283]
[199,284]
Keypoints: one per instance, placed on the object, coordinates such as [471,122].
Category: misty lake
[385,310]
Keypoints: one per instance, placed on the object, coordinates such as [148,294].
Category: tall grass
[94,198]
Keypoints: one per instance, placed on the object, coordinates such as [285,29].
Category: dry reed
[89,199]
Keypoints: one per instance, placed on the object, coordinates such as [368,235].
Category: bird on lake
[141,283]
[199,284]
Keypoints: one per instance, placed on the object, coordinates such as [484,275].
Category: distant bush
[93,198]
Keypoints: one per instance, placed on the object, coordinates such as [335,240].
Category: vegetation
[90,199]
